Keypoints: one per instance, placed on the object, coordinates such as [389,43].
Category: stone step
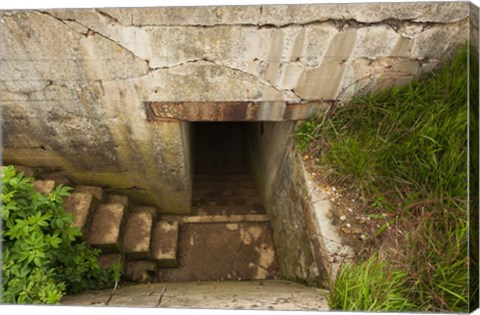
[81,205]
[227,210]
[105,231]
[108,260]
[140,270]
[224,192]
[235,218]
[97,192]
[222,177]
[43,186]
[165,243]
[226,201]
[137,233]
[118,199]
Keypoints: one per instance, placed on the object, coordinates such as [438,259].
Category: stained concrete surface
[223,251]
[260,295]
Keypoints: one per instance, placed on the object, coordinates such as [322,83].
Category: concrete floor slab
[223,251]
[255,295]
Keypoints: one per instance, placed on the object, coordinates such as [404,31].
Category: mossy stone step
[105,232]
[165,244]
[80,205]
[137,235]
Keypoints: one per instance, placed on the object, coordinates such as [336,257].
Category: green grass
[405,151]
[370,286]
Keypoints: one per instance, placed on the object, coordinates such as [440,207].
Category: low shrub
[42,257]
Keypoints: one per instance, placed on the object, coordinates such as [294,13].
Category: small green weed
[41,257]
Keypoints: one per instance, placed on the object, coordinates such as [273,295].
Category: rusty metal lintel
[233,111]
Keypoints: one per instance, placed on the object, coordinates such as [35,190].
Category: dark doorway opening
[220,148]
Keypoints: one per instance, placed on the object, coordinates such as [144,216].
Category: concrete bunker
[113,100]
[242,163]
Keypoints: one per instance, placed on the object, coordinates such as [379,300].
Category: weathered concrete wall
[74,82]
[279,176]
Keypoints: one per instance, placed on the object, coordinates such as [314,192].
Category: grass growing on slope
[405,151]
[371,286]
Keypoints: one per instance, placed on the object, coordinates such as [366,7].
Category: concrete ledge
[325,237]
[236,218]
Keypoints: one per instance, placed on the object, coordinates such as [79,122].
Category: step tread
[235,218]
[80,205]
[165,243]
[224,192]
[96,191]
[118,199]
[198,184]
[215,209]
[226,201]
[222,177]
[137,235]
[223,251]
[106,226]
[43,186]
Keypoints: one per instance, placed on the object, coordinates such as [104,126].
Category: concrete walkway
[259,295]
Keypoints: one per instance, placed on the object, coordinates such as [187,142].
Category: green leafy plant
[42,258]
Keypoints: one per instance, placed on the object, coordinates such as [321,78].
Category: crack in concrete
[108,16]
[340,24]
[92,32]
[209,61]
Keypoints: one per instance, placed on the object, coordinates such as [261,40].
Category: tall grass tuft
[406,146]
[370,286]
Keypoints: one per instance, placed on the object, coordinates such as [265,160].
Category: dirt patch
[349,212]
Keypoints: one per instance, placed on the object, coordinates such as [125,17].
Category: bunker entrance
[228,236]
[220,148]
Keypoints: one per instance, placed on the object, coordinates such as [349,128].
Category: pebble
[350,210]
[348,225]
[363,237]
[343,218]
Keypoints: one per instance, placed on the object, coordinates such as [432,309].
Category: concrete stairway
[125,233]
[228,235]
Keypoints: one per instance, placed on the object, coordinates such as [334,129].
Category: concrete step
[105,231]
[165,243]
[223,251]
[137,233]
[118,199]
[220,184]
[43,186]
[234,218]
[140,270]
[97,192]
[81,205]
[222,177]
[224,192]
[108,260]
[226,201]
[227,210]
